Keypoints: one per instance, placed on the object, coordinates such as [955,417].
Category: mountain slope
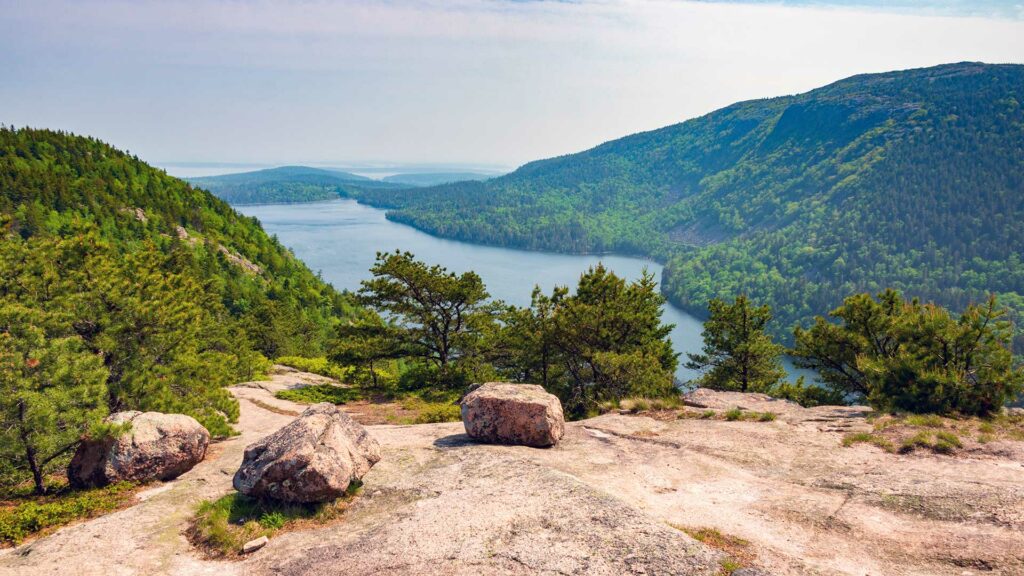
[285,184]
[909,179]
[174,289]
[434,178]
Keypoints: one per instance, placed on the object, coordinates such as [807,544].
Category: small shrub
[734,414]
[320,393]
[436,413]
[766,417]
[707,414]
[321,366]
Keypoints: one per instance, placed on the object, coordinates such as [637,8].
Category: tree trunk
[30,452]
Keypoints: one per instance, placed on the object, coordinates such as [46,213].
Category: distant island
[296,184]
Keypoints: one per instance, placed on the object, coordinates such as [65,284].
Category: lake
[340,239]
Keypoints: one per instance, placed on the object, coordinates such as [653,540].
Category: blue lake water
[340,239]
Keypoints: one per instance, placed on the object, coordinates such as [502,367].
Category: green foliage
[119,268]
[907,179]
[807,395]
[25,517]
[432,412]
[52,391]
[222,526]
[367,343]
[320,365]
[869,438]
[286,185]
[914,357]
[602,343]
[440,317]
[737,353]
[321,393]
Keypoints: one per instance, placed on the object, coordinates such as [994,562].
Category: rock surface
[312,459]
[157,447]
[523,414]
[597,503]
[254,545]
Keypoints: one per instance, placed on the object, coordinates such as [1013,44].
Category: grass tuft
[221,527]
[866,437]
[739,554]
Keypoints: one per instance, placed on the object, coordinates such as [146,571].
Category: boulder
[522,414]
[156,447]
[312,459]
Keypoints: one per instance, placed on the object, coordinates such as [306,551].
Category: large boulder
[156,447]
[522,414]
[312,459]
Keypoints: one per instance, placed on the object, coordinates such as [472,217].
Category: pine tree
[442,316]
[610,341]
[738,354]
[52,391]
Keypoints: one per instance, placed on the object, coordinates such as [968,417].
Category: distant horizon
[376,170]
[471,82]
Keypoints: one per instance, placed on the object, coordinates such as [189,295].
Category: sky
[465,82]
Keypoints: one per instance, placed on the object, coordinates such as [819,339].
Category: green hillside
[103,255]
[434,178]
[908,179]
[286,185]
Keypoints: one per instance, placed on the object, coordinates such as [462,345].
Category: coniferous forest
[152,294]
[910,180]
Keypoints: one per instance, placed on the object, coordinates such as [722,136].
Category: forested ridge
[287,185]
[911,180]
[103,256]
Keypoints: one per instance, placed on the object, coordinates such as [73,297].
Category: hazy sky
[445,81]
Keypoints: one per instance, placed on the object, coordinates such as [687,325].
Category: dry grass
[908,433]
[733,415]
[738,551]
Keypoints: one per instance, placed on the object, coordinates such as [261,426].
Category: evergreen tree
[738,354]
[914,357]
[610,341]
[52,391]
[366,342]
[442,316]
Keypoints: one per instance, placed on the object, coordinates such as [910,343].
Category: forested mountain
[434,178]
[103,256]
[286,184]
[911,179]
